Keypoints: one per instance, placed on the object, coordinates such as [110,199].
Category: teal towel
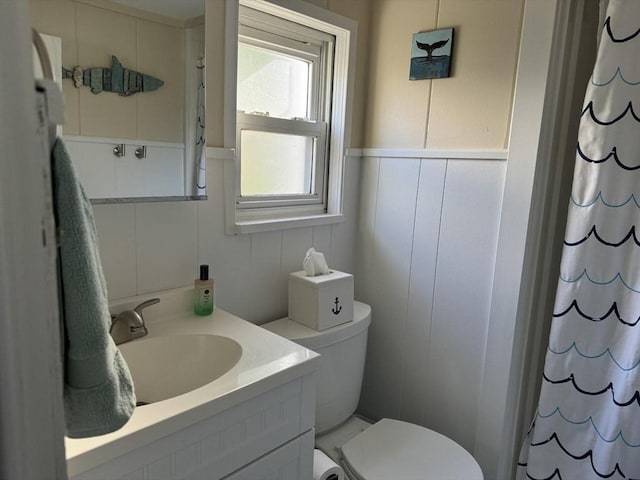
[98,389]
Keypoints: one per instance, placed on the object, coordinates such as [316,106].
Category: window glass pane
[276,163]
[272,82]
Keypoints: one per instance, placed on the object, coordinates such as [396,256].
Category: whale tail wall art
[117,79]
[431,54]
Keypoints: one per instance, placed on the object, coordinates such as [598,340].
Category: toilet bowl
[387,449]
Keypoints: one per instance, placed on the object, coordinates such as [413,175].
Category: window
[284,78]
[290,91]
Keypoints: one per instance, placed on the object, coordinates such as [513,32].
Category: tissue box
[321,302]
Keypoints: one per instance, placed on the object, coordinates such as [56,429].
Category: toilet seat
[395,449]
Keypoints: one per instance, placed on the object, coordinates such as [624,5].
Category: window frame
[344,30]
[275,34]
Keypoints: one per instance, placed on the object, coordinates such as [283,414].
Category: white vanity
[253,422]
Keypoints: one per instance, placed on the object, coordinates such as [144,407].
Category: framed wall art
[431,54]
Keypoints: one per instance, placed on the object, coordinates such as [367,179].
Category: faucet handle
[146,304]
[126,326]
[129,324]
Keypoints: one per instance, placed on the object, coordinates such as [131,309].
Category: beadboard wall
[148,247]
[420,235]
[160,173]
[426,250]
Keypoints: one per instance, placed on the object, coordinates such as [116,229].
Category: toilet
[387,449]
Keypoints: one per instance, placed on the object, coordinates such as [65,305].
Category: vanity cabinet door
[292,461]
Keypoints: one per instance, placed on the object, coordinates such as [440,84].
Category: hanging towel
[98,390]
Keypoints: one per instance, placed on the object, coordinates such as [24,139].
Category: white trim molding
[126,141]
[496,419]
[220,153]
[426,153]
[31,400]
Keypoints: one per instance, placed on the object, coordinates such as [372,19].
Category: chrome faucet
[129,324]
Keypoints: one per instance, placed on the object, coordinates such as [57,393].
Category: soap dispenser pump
[204,298]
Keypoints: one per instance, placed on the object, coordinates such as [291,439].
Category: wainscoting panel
[366,227]
[397,187]
[164,254]
[267,295]
[295,244]
[116,226]
[103,175]
[147,247]
[415,380]
[427,241]
[462,296]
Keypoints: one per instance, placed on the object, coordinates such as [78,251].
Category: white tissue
[314,263]
[324,468]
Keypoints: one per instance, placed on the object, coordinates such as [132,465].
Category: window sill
[285,223]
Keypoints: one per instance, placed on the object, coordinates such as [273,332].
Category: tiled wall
[427,238]
[147,247]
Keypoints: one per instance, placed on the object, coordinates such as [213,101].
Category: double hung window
[287,106]
[283,122]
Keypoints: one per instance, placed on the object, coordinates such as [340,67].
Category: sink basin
[165,367]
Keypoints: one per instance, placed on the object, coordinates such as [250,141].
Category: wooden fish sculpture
[116,79]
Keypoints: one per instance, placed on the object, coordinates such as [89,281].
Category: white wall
[451,286]
[147,247]
[429,229]
[427,239]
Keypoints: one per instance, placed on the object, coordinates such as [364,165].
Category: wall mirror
[130,138]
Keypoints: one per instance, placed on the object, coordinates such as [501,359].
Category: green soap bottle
[204,298]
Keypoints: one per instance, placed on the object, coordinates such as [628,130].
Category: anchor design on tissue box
[337,309]
[322,301]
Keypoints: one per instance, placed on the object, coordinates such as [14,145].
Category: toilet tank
[343,349]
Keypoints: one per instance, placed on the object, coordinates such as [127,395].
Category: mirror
[134,106]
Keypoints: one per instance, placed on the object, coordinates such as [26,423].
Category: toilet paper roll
[324,468]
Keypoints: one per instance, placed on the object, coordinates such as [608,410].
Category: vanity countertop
[267,361]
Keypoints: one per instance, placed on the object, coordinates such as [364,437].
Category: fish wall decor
[117,79]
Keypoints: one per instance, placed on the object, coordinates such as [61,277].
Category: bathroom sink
[165,367]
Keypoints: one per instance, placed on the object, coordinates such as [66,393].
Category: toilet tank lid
[310,338]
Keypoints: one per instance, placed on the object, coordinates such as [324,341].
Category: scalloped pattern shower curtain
[587,424]
[201,147]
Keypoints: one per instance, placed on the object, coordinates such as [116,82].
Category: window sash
[317,130]
[316,92]
[284,28]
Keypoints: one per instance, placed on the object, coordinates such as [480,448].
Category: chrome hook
[141,152]
[118,150]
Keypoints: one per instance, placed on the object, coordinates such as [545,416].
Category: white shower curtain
[587,424]
[201,147]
